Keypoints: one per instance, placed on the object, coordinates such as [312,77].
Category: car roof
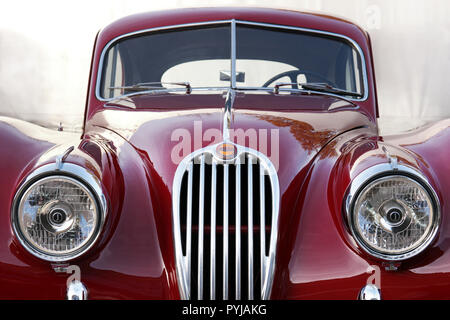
[156,19]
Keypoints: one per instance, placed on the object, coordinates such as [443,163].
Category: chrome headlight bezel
[76,173]
[370,175]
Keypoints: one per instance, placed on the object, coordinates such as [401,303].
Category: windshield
[202,57]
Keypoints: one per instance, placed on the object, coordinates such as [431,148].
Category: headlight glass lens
[57,216]
[394,215]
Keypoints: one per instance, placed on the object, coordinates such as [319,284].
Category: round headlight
[57,218]
[394,217]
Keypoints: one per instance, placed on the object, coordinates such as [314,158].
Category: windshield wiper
[315,86]
[150,86]
[325,87]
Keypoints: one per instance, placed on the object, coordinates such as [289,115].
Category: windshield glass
[301,58]
[160,56]
[202,55]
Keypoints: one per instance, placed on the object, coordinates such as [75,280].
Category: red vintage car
[226,153]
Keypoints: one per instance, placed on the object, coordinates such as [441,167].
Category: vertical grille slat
[201,218]
[250,227]
[238,230]
[224,226]
[268,214]
[262,224]
[213,231]
[194,230]
[225,231]
[189,222]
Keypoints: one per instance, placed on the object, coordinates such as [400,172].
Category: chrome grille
[225,216]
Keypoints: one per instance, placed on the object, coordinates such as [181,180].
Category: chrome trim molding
[393,161]
[369,292]
[77,291]
[183,262]
[233,23]
[61,158]
[57,169]
[388,169]
[233,54]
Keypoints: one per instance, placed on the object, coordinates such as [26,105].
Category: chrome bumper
[76,291]
[369,292]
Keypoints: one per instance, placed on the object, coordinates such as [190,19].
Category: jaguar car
[226,154]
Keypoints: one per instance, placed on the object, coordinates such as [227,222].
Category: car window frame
[233,23]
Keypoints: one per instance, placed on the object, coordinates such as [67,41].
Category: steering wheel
[293,77]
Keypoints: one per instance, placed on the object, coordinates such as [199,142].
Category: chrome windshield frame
[233,24]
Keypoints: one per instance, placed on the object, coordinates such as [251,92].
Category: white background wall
[46,47]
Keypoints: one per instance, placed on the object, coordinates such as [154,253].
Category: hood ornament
[227,116]
[227,150]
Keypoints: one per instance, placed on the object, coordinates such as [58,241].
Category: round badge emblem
[226,151]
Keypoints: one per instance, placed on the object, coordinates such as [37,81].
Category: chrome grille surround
[266,261]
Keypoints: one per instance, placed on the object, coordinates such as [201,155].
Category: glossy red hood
[166,128]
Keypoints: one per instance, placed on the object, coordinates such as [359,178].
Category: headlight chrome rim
[368,176]
[81,176]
